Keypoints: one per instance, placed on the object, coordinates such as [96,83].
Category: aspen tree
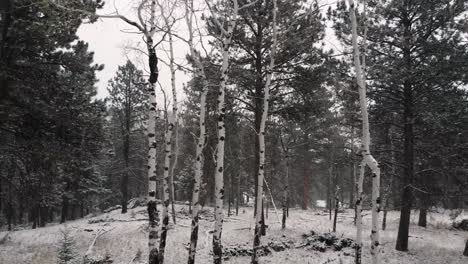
[221,112]
[199,72]
[226,37]
[367,158]
[171,119]
[261,137]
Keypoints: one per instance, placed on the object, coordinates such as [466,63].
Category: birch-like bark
[168,177]
[166,181]
[359,198]
[199,72]
[170,171]
[151,206]
[174,165]
[367,158]
[261,138]
[174,122]
[219,173]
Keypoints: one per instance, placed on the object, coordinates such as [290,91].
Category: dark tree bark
[5,9]
[126,154]
[385,210]
[465,252]
[9,216]
[124,190]
[329,200]
[285,190]
[230,193]
[408,155]
[42,216]
[238,193]
[337,204]
[422,221]
[64,209]
[306,162]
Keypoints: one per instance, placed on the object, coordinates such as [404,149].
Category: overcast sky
[108,38]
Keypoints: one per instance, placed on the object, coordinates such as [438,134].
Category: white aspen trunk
[359,198]
[152,211]
[174,122]
[200,73]
[174,165]
[152,115]
[368,159]
[166,191]
[219,173]
[168,187]
[261,139]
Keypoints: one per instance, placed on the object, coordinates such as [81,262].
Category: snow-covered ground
[437,243]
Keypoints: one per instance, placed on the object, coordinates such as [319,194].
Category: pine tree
[127,102]
[66,251]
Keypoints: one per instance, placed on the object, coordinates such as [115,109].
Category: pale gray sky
[108,38]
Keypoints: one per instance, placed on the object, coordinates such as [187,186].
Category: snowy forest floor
[127,235]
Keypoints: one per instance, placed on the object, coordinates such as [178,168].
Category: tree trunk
[42,216]
[238,192]
[82,209]
[34,216]
[329,199]
[408,153]
[175,122]
[230,194]
[384,220]
[422,221]
[367,158]
[9,215]
[285,192]
[337,205]
[166,189]
[64,209]
[259,87]
[352,175]
[219,173]
[124,190]
[263,226]
[199,72]
[151,133]
[465,252]
[261,138]
[305,196]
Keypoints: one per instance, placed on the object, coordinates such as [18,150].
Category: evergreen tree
[127,103]
[418,51]
[66,251]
